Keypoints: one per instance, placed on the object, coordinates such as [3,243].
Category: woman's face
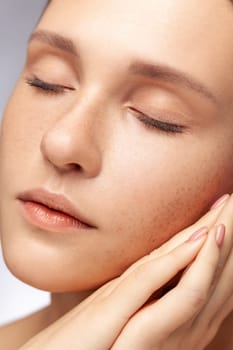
[134,125]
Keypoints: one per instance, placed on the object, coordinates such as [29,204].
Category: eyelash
[164,127]
[47,88]
[150,123]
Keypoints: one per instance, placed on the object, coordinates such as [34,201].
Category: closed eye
[152,123]
[46,87]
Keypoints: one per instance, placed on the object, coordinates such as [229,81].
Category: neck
[61,303]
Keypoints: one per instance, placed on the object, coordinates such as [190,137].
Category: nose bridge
[89,112]
[76,138]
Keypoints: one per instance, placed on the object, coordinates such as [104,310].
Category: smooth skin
[192,311]
[143,156]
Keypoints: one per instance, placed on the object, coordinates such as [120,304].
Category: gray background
[17,19]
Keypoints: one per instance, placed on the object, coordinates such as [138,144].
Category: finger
[224,288]
[221,301]
[224,271]
[130,292]
[226,217]
[200,276]
[223,285]
[105,290]
[195,285]
[179,305]
[205,222]
[101,292]
[219,306]
[208,219]
[134,289]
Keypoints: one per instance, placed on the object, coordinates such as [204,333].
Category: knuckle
[174,258]
[139,272]
[197,297]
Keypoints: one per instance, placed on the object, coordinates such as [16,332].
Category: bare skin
[220,214]
[87,140]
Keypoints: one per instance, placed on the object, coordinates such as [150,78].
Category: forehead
[193,35]
[167,23]
[131,9]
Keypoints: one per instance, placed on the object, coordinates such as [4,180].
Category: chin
[50,282]
[46,275]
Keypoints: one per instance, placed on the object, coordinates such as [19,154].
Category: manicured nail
[220,201]
[198,234]
[220,234]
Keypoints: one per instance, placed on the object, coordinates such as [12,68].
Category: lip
[52,211]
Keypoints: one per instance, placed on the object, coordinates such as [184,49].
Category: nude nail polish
[220,234]
[220,201]
[198,234]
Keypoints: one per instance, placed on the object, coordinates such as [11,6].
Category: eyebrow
[55,40]
[148,70]
[171,75]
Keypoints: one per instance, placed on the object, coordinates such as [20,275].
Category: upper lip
[54,201]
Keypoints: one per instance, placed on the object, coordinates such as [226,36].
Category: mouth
[51,211]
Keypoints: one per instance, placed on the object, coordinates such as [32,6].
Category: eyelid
[162,125]
[47,86]
[168,127]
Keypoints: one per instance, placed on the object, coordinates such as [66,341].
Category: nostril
[73,166]
[77,166]
[69,167]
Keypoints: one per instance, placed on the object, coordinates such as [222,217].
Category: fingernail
[220,201]
[198,234]
[220,234]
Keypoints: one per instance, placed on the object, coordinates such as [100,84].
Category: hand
[189,316]
[118,315]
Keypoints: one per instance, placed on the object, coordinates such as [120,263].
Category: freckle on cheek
[171,217]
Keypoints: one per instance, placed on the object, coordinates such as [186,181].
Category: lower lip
[49,219]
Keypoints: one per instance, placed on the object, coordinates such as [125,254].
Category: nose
[70,144]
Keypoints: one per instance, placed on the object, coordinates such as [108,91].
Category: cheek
[14,130]
[162,194]
[24,122]
[20,138]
